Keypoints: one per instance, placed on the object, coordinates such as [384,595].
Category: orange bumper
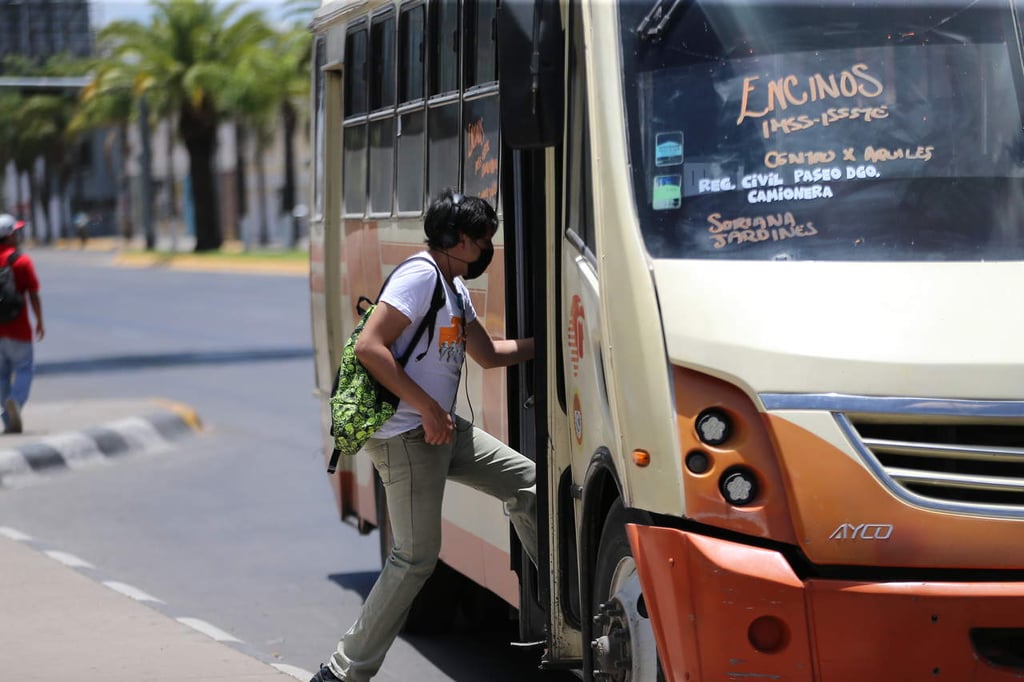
[704,594]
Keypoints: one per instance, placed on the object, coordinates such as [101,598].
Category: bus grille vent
[958,465]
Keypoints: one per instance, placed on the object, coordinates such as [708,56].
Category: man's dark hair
[452,214]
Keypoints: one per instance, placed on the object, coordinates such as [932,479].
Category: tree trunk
[125,220]
[172,190]
[290,117]
[199,131]
[241,195]
[19,197]
[261,183]
[45,195]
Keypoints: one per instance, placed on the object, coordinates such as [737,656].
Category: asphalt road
[236,525]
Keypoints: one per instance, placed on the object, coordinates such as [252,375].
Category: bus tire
[623,647]
[435,608]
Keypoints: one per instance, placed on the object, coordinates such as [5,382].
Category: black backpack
[11,300]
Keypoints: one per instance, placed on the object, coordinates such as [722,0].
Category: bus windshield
[878,130]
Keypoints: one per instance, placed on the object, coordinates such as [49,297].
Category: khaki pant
[414,475]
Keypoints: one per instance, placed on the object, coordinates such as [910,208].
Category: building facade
[39,29]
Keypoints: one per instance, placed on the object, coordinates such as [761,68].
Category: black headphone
[449,236]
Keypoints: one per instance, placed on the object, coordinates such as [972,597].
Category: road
[236,525]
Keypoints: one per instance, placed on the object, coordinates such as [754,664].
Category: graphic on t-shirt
[452,341]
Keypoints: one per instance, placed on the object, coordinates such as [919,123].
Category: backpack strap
[13,257]
[427,324]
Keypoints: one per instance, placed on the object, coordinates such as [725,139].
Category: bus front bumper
[727,611]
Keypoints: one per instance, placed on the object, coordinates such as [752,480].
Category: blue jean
[414,474]
[16,369]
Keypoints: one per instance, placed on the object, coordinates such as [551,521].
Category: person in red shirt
[16,361]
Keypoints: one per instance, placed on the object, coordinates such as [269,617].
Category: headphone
[449,235]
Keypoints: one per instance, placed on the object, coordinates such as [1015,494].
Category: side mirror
[531,64]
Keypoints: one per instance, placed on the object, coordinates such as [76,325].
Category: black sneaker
[325,675]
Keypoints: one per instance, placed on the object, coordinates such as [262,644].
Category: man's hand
[437,424]
[40,332]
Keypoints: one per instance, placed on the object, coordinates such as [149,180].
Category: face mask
[477,267]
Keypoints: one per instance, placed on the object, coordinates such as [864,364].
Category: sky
[105,11]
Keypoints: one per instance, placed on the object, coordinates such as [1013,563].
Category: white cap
[9,224]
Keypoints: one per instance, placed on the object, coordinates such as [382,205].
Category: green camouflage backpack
[359,404]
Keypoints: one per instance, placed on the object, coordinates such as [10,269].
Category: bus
[771,254]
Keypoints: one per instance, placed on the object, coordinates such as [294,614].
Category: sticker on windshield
[668,192]
[668,149]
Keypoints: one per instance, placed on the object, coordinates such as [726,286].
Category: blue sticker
[668,149]
[668,192]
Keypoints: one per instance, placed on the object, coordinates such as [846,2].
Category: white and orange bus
[772,253]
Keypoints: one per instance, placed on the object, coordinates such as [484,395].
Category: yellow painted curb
[210,264]
[187,414]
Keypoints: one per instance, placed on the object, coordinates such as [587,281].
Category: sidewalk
[61,623]
[179,256]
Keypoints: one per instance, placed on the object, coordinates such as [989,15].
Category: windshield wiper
[653,25]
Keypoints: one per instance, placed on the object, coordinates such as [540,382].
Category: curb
[75,449]
[184,261]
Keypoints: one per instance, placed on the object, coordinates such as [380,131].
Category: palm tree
[108,102]
[301,10]
[9,105]
[271,87]
[184,59]
[41,131]
[252,101]
[294,50]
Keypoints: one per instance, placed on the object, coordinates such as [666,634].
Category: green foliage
[198,63]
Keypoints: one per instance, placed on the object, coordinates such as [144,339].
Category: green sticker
[668,192]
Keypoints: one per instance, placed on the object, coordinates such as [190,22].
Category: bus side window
[444,42]
[443,104]
[354,155]
[355,72]
[443,147]
[480,130]
[319,108]
[580,220]
[480,33]
[382,113]
[411,138]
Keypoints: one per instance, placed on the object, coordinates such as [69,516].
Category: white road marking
[68,559]
[208,630]
[131,592]
[14,534]
[297,673]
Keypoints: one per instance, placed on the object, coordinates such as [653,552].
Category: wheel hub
[624,647]
[612,650]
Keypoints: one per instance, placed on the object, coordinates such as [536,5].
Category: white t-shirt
[410,291]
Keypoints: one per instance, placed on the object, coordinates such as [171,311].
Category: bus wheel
[624,645]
